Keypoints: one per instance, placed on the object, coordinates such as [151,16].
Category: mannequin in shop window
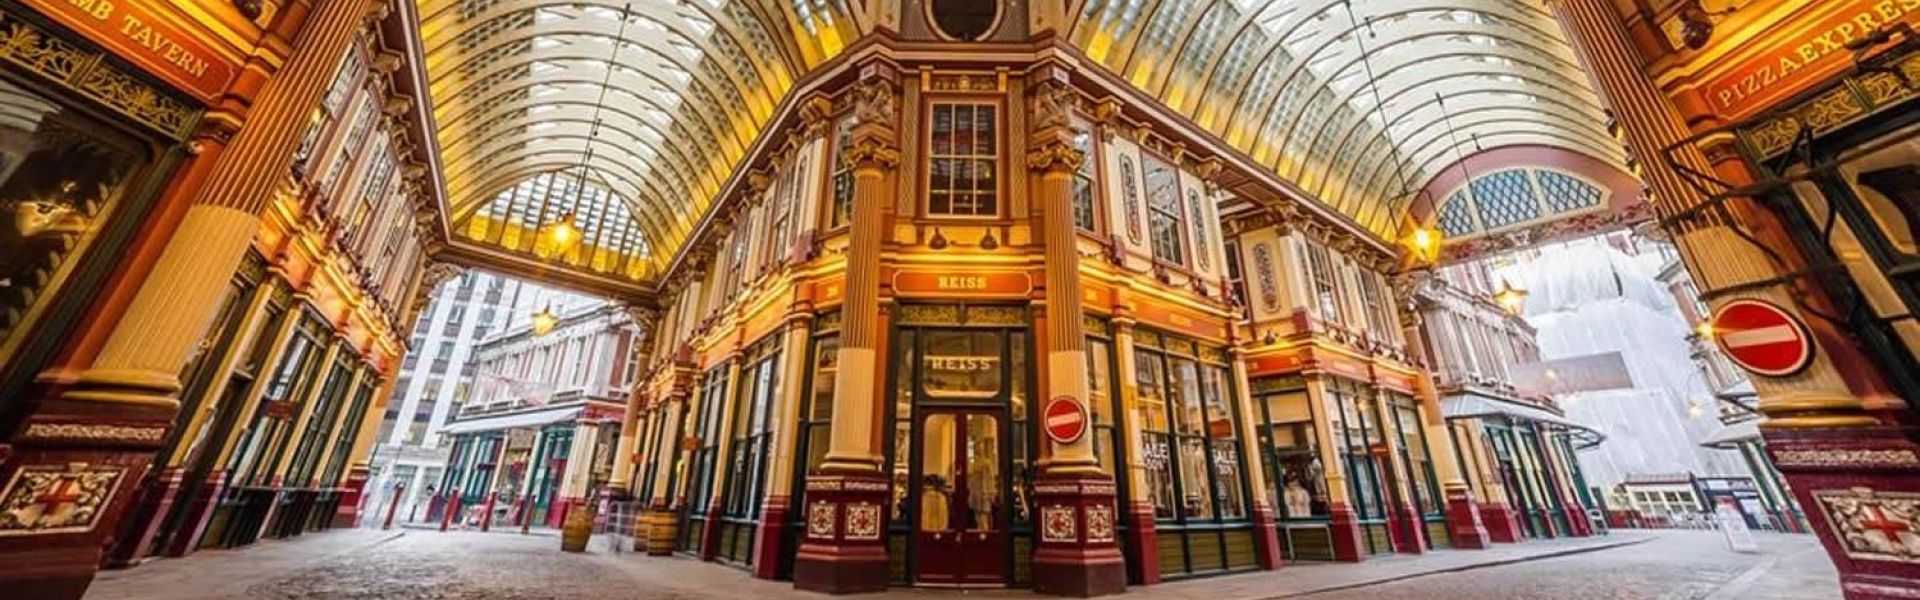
[934,510]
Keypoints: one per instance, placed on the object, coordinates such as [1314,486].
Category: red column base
[1502,525]
[770,538]
[1266,538]
[844,551]
[347,513]
[52,553]
[1077,551]
[1463,522]
[1144,569]
[142,522]
[1410,531]
[199,514]
[710,531]
[1860,487]
[1577,523]
[1345,530]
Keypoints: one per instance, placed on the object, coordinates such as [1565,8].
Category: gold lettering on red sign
[138,33]
[1788,65]
[961,282]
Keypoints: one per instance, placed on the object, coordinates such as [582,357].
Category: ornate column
[1854,475]
[1342,524]
[844,549]
[135,374]
[722,453]
[1145,568]
[770,538]
[662,523]
[1077,552]
[1266,533]
[1503,525]
[360,457]
[1464,527]
[620,483]
[1408,530]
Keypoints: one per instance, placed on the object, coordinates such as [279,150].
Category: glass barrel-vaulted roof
[658,100]
[1357,101]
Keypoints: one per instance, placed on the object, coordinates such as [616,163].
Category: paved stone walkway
[429,565]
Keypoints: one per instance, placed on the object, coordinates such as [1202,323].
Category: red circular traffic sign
[1762,338]
[1065,419]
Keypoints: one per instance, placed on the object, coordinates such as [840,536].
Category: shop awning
[1480,407]
[1726,437]
[513,421]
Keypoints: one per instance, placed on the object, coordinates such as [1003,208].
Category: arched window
[1512,198]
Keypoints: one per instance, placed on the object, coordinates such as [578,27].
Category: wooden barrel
[640,532]
[577,528]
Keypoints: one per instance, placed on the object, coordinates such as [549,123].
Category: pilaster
[1077,551]
[843,548]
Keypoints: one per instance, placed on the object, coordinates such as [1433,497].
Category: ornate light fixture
[559,237]
[544,321]
[1704,329]
[1424,244]
[1511,298]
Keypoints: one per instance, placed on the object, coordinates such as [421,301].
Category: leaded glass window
[1163,211]
[963,178]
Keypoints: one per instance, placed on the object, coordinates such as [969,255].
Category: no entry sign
[1762,338]
[1066,419]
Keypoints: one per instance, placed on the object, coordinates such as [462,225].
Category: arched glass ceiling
[1352,100]
[657,99]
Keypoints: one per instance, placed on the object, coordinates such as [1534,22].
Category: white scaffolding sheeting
[1586,298]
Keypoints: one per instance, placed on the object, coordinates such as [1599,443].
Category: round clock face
[966,20]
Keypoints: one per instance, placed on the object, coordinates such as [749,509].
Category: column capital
[1054,156]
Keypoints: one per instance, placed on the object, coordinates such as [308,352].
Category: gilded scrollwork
[90,74]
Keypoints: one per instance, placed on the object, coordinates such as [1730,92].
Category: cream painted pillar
[874,154]
[619,480]
[282,334]
[139,366]
[1053,158]
[1135,439]
[783,458]
[1255,463]
[303,411]
[339,427]
[252,330]
[359,457]
[670,413]
[579,462]
[723,433]
[1334,470]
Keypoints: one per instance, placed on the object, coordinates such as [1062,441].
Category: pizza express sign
[1811,53]
[135,30]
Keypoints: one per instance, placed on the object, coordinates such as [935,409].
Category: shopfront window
[1357,432]
[60,177]
[753,426]
[1414,452]
[1296,481]
[1189,431]
[707,429]
[1101,400]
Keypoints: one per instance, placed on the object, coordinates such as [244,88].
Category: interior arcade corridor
[1065,297]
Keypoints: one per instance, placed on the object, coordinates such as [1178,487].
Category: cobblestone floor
[427,565]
